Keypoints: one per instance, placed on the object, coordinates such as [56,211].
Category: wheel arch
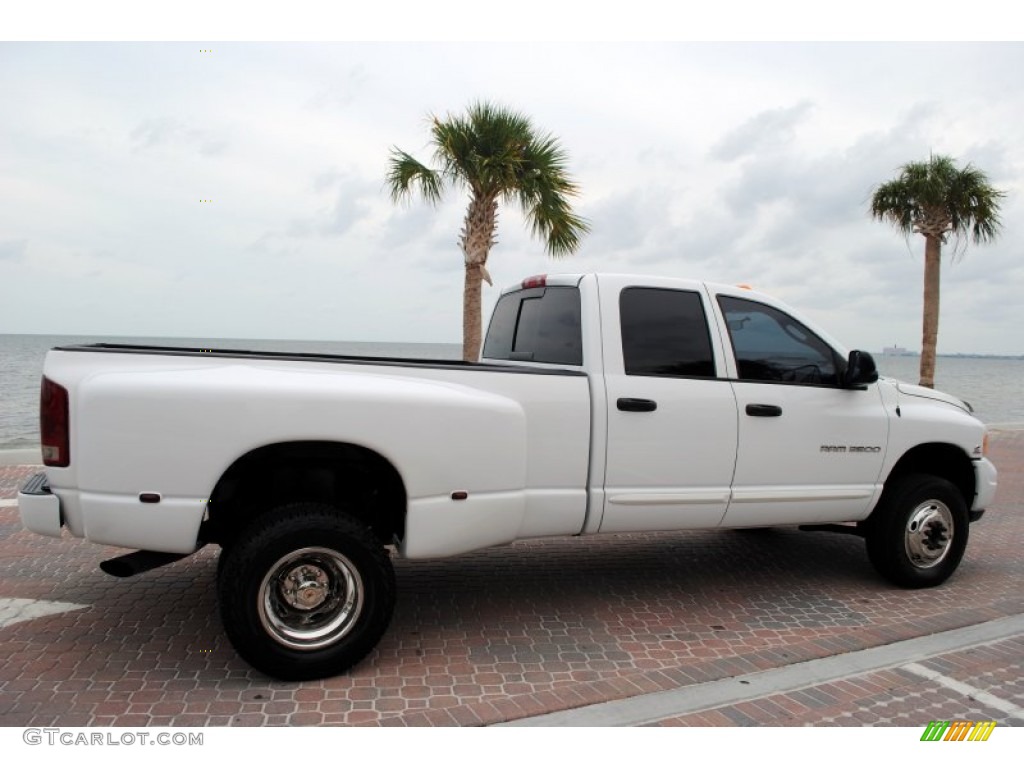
[352,478]
[939,460]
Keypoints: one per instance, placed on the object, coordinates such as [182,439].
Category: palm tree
[936,199]
[497,155]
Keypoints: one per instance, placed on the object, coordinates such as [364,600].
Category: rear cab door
[809,449]
[671,409]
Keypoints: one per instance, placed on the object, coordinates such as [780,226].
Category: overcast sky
[737,162]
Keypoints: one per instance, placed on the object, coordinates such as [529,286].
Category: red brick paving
[522,630]
[890,697]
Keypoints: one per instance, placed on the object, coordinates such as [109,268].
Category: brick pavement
[899,696]
[523,630]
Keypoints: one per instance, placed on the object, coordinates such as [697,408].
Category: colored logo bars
[958,730]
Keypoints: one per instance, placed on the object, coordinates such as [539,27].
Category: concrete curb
[17,456]
[652,707]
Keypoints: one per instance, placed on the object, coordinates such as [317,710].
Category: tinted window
[502,330]
[541,325]
[771,346]
[665,333]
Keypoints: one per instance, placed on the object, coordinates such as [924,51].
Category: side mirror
[860,370]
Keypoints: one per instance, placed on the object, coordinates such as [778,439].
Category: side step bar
[854,530]
[135,563]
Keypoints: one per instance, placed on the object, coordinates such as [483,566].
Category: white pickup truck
[603,404]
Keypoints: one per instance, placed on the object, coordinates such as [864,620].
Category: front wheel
[917,535]
[306,592]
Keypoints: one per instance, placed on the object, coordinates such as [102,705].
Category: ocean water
[993,386]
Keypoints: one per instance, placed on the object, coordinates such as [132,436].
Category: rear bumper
[39,507]
[120,520]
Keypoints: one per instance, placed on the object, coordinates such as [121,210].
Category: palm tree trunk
[471,321]
[476,241]
[930,322]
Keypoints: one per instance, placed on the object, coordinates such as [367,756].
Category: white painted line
[8,502]
[1007,707]
[15,609]
[652,707]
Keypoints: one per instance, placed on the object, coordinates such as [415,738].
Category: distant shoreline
[102,337]
[953,355]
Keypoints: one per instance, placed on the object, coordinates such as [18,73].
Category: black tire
[306,592]
[917,535]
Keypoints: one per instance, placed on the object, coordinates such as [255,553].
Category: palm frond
[974,205]
[962,197]
[496,153]
[561,230]
[406,174]
[895,202]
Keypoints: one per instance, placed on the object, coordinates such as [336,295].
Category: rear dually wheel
[306,592]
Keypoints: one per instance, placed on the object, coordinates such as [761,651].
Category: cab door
[809,450]
[671,445]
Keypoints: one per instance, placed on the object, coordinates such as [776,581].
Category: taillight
[53,424]
[537,281]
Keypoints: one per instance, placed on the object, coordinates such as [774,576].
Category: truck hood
[915,390]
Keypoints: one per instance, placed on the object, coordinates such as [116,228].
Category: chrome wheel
[310,598]
[929,534]
[305,591]
[917,534]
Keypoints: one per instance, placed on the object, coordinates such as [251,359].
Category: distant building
[898,352]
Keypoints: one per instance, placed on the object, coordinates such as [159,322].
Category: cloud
[13,250]
[327,180]
[418,224]
[350,205]
[354,197]
[624,221]
[151,133]
[729,162]
[793,202]
[765,131]
[341,93]
[170,133]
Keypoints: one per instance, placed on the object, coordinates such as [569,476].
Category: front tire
[306,592]
[917,535]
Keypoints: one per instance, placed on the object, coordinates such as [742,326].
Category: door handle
[760,409]
[636,404]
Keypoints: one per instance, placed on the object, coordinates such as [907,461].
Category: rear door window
[665,333]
